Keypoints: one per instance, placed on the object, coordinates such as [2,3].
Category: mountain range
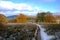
[11,17]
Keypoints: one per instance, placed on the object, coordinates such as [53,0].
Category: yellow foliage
[21,19]
[3,19]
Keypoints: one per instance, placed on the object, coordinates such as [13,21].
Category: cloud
[10,5]
[6,4]
[10,8]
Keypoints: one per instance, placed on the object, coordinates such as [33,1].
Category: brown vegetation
[12,21]
[19,32]
[3,19]
[50,19]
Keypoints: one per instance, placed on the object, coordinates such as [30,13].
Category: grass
[19,31]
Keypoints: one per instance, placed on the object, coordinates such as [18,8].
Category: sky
[29,7]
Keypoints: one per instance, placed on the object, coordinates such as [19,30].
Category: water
[44,35]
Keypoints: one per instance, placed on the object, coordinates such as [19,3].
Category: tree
[45,17]
[50,19]
[21,19]
[40,17]
[3,19]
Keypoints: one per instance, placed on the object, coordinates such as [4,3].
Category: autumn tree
[21,18]
[3,19]
[50,19]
